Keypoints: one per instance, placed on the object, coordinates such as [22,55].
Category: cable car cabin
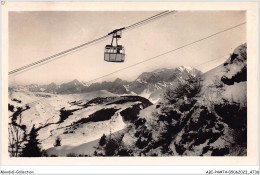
[114,53]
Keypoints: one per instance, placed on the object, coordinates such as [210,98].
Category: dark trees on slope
[16,132]
[111,147]
[102,140]
[57,142]
[32,148]
[189,87]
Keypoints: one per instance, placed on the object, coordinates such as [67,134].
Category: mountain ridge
[146,84]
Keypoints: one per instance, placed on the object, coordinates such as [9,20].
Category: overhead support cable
[157,56]
[47,59]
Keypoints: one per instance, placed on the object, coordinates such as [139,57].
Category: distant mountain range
[147,84]
[150,84]
[206,117]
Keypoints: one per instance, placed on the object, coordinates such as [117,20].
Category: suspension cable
[157,56]
[88,43]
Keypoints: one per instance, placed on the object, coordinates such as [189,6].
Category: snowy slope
[228,80]
[209,123]
[85,149]
[212,122]
[75,118]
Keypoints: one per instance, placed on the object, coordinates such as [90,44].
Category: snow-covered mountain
[151,84]
[202,115]
[151,81]
[51,88]
[211,122]
[229,78]
[71,87]
[75,118]
[75,86]
[117,86]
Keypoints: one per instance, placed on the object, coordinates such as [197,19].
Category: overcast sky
[36,35]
